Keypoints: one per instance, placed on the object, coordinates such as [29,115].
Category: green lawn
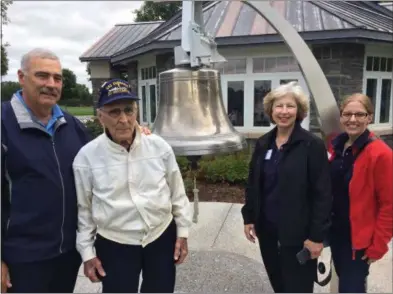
[79,111]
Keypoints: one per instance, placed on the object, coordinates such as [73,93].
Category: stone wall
[96,84]
[388,139]
[342,65]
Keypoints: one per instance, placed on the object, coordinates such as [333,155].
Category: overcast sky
[68,28]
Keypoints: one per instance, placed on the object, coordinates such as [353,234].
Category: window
[144,104]
[378,86]
[153,103]
[371,91]
[247,80]
[261,89]
[235,95]
[383,64]
[148,73]
[147,91]
[232,66]
[275,64]
[282,82]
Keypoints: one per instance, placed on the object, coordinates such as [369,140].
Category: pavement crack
[222,225]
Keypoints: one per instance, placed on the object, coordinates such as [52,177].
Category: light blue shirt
[56,114]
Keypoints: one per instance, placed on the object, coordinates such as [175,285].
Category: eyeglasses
[116,112]
[358,115]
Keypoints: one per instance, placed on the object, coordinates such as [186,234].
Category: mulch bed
[218,193]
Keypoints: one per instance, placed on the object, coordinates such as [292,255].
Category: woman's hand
[314,248]
[369,260]
[5,278]
[145,130]
[249,231]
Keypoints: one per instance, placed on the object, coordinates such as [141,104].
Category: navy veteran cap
[114,90]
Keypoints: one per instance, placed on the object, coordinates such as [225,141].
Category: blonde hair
[297,93]
[358,97]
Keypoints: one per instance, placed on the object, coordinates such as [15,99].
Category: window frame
[249,78]
[147,83]
[379,76]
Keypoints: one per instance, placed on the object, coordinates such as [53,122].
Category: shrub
[232,168]
[228,168]
[183,164]
[74,102]
[94,127]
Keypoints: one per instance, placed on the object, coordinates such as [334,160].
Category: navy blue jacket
[39,203]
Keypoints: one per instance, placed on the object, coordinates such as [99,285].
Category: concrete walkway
[222,260]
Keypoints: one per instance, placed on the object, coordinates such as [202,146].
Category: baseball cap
[113,90]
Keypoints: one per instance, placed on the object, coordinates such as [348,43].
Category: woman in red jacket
[362,186]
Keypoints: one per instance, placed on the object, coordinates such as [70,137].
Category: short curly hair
[291,88]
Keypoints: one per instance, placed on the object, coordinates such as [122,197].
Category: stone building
[352,41]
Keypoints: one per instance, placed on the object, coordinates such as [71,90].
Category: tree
[4,60]
[4,9]
[4,20]
[153,11]
[69,83]
[8,89]
[81,96]
[74,94]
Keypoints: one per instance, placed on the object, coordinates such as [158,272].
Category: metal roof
[235,23]
[119,37]
[234,18]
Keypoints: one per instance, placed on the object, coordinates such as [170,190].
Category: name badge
[268,154]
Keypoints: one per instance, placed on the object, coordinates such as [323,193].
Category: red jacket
[371,198]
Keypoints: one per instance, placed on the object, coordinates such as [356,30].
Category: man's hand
[145,130]
[181,250]
[314,248]
[92,267]
[249,231]
[5,278]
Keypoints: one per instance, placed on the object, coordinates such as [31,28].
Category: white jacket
[128,197]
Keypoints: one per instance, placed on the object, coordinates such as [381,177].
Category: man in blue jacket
[39,207]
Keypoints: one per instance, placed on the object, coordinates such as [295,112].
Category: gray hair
[291,88]
[37,52]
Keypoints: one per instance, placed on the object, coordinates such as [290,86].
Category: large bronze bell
[191,115]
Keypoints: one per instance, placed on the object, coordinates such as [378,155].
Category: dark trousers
[124,263]
[57,275]
[285,273]
[352,273]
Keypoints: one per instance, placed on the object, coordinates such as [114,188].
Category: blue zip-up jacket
[39,204]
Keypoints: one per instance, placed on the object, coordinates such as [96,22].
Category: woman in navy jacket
[361,172]
[288,199]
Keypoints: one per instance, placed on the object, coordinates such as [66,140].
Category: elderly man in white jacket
[133,212]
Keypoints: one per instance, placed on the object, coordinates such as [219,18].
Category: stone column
[342,64]
[164,62]
[132,73]
[100,72]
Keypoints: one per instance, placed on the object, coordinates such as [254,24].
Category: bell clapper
[194,171]
[196,200]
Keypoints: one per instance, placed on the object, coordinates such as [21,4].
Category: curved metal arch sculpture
[322,95]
